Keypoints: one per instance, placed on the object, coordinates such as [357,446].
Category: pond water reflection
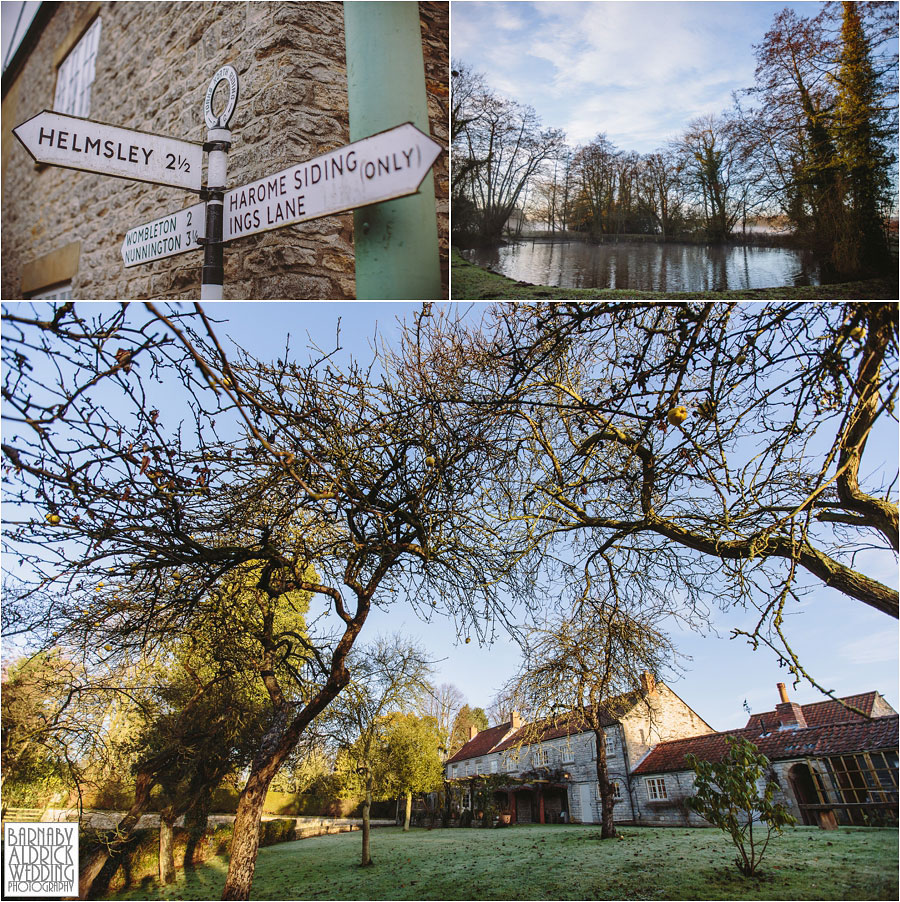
[648,266]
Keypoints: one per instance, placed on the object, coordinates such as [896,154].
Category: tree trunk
[607,826]
[166,847]
[408,811]
[366,825]
[245,841]
[92,867]
[196,819]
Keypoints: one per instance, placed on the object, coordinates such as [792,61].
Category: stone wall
[154,63]
[659,717]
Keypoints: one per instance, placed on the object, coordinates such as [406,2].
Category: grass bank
[472,283]
[559,862]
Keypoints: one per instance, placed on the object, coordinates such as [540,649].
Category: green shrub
[726,793]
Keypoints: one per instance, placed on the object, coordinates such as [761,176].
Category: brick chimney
[790,714]
[516,720]
[648,683]
[473,732]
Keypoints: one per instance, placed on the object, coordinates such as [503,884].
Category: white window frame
[617,790]
[540,757]
[568,753]
[493,765]
[512,761]
[59,292]
[75,74]
[610,744]
[656,789]
[479,766]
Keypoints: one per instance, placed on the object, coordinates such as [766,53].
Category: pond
[648,266]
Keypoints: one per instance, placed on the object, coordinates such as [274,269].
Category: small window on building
[512,761]
[541,757]
[493,765]
[616,788]
[610,744]
[656,788]
[76,75]
[568,753]
[479,767]
[59,292]
[455,770]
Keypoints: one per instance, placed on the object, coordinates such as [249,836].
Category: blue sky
[638,71]
[846,645]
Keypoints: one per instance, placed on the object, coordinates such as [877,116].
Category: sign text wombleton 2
[166,236]
[76,143]
[381,167]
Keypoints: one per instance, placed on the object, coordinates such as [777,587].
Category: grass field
[559,862]
[470,282]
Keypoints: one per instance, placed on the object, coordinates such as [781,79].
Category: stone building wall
[660,716]
[154,64]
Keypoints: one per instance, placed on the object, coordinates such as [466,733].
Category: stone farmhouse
[835,761]
[552,766]
[146,66]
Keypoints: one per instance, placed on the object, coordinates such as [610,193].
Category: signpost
[165,237]
[377,168]
[75,143]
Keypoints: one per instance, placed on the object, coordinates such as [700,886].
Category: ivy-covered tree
[412,758]
[862,144]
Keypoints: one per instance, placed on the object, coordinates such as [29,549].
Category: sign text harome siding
[381,167]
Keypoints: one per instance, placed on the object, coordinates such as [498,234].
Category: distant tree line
[812,142]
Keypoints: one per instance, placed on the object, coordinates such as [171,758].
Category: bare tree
[283,468]
[499,147]
[443,704]
[714,453]
[580,670]
[390,676]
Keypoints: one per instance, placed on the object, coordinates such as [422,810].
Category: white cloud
[878,648]
[637,71]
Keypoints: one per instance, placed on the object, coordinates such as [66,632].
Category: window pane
[76,75]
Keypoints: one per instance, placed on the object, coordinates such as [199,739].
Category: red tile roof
[814,742]
[482,743]
[568,724]
[831,711]
[491,740]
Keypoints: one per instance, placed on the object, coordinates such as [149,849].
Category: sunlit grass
[558,862]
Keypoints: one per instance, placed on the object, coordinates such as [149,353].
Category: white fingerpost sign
[75,143]
[166,236]
[381,167]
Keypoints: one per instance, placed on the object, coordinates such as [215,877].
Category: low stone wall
[107,820]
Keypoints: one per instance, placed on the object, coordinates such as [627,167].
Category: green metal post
[396,242]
